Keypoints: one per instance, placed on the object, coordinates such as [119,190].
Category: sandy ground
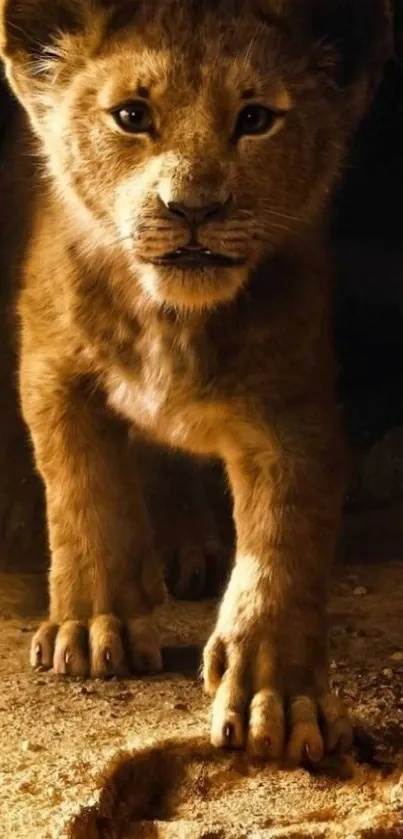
[57,736]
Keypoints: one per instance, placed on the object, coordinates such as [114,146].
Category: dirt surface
[57,736]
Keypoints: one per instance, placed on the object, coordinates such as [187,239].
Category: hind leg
[191,517]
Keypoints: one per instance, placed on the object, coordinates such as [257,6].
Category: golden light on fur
[171,166]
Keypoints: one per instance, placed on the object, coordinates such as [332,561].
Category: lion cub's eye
[134,118]
[256,119]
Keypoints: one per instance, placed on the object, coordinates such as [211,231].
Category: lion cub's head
[190,138]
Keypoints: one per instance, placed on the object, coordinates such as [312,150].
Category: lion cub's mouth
[195,257]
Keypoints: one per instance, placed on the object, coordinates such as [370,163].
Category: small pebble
[29,746]
[27,787]
[396,794]
[180,706]
[388,673]
[360,591]
[123,696]
[54,795]
[398,656]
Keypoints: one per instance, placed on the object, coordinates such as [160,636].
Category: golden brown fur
[231,361]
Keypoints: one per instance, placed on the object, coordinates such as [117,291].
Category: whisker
[272,212]
[286,216]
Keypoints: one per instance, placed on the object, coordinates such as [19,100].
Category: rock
[29,746]
[398,656]
[360,591]
[396,794]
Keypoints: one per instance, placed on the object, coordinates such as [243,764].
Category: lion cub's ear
[41,41]
[359,30]
[28,27]
[354,36]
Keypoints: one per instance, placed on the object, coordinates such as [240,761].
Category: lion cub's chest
[165,395]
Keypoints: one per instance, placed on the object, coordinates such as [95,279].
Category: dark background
[367,232]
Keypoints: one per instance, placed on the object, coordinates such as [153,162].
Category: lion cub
[161,201]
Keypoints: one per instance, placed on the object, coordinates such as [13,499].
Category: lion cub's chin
[193,289]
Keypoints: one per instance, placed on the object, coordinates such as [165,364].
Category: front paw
[101,648]
[270,707]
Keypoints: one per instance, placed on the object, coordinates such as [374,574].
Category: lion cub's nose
[195,216]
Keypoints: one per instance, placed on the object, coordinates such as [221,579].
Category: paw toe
[143,645]
[230,707]
[227,729]
[107,652]
[71,650]
[338,730]
[305,740]
[43,645]
[214,664]
[266,733]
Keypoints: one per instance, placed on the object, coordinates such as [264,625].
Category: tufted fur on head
[357,33]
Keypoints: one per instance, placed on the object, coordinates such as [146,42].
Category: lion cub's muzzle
[191,220]
[194,256]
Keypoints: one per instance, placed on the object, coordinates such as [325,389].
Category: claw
[107,657]
[312,755]
[38,655]
[228,733]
